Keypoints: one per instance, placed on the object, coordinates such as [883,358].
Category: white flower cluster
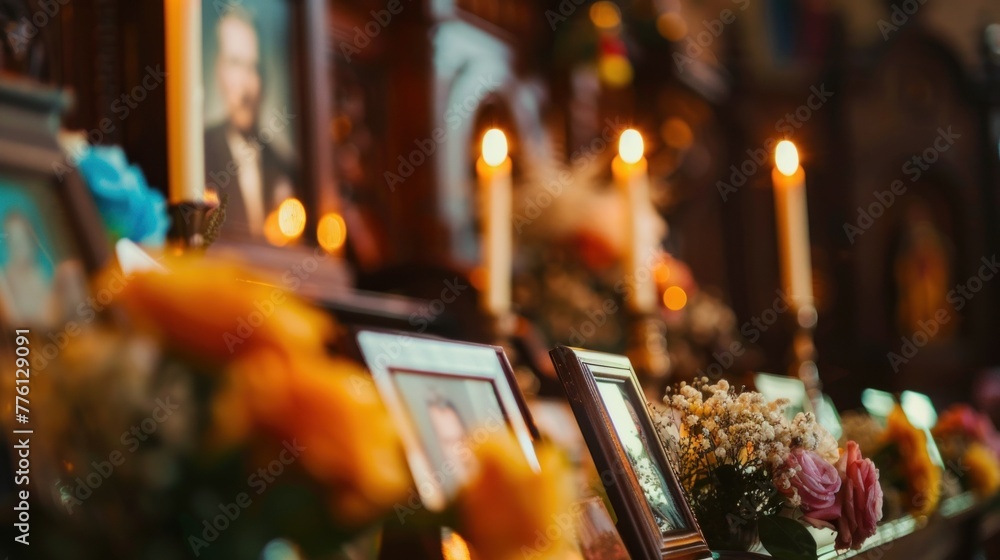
[707,425]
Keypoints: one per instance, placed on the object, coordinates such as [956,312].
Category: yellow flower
[508,511]
[922,476]
[983,469]
[327,407]
[216,310]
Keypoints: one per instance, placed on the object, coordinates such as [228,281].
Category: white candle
[495,192]
[185,118]
[791,213]
[632,177]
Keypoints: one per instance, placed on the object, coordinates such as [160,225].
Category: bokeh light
[292,218]
[331,232]
[675,298]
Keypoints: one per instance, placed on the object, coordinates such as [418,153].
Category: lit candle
[185,118]
[792,218]
[495,192]
[631,175]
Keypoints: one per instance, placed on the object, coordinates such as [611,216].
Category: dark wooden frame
[388,352]
[28,146]
[579,371]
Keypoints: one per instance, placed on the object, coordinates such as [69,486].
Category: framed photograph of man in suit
[264,96]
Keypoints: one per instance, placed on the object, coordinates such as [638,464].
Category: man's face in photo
[237,72]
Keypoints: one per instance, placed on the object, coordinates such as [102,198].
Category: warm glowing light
[786,158]
[605,15]
[677,133]
[292,218]
[453,547]
[494,147]
[477,277]
[331,232]
[272,231]
[671,26]
[630,146]
[675,298]
[211,198]
[614,70]
[662,273]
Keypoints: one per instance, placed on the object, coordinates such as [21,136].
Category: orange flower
[509,511]
[327,407]
[922,476]
[217,310]
[983,469]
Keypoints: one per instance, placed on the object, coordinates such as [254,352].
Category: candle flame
[494,147]
[630,146]
[786,158]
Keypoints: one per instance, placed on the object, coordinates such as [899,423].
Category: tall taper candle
[495,191]
[791,213]
[185,112]
[632,178]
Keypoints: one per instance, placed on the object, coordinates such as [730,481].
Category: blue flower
[128,206]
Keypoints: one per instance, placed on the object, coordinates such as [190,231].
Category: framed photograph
[266,119]
[653,517]
[51,237]
[596,535]
[445,397]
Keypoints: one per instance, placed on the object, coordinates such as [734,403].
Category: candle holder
[188,223]
[646,341]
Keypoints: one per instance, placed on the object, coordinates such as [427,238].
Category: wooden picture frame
[592,381]
[40,185]
[413,372]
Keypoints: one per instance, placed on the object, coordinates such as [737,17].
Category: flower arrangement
[970,447]
[920,476]
[911,482]
[748,470]
[220,423]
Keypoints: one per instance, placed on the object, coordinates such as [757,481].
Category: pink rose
[815,480]
[858,507]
